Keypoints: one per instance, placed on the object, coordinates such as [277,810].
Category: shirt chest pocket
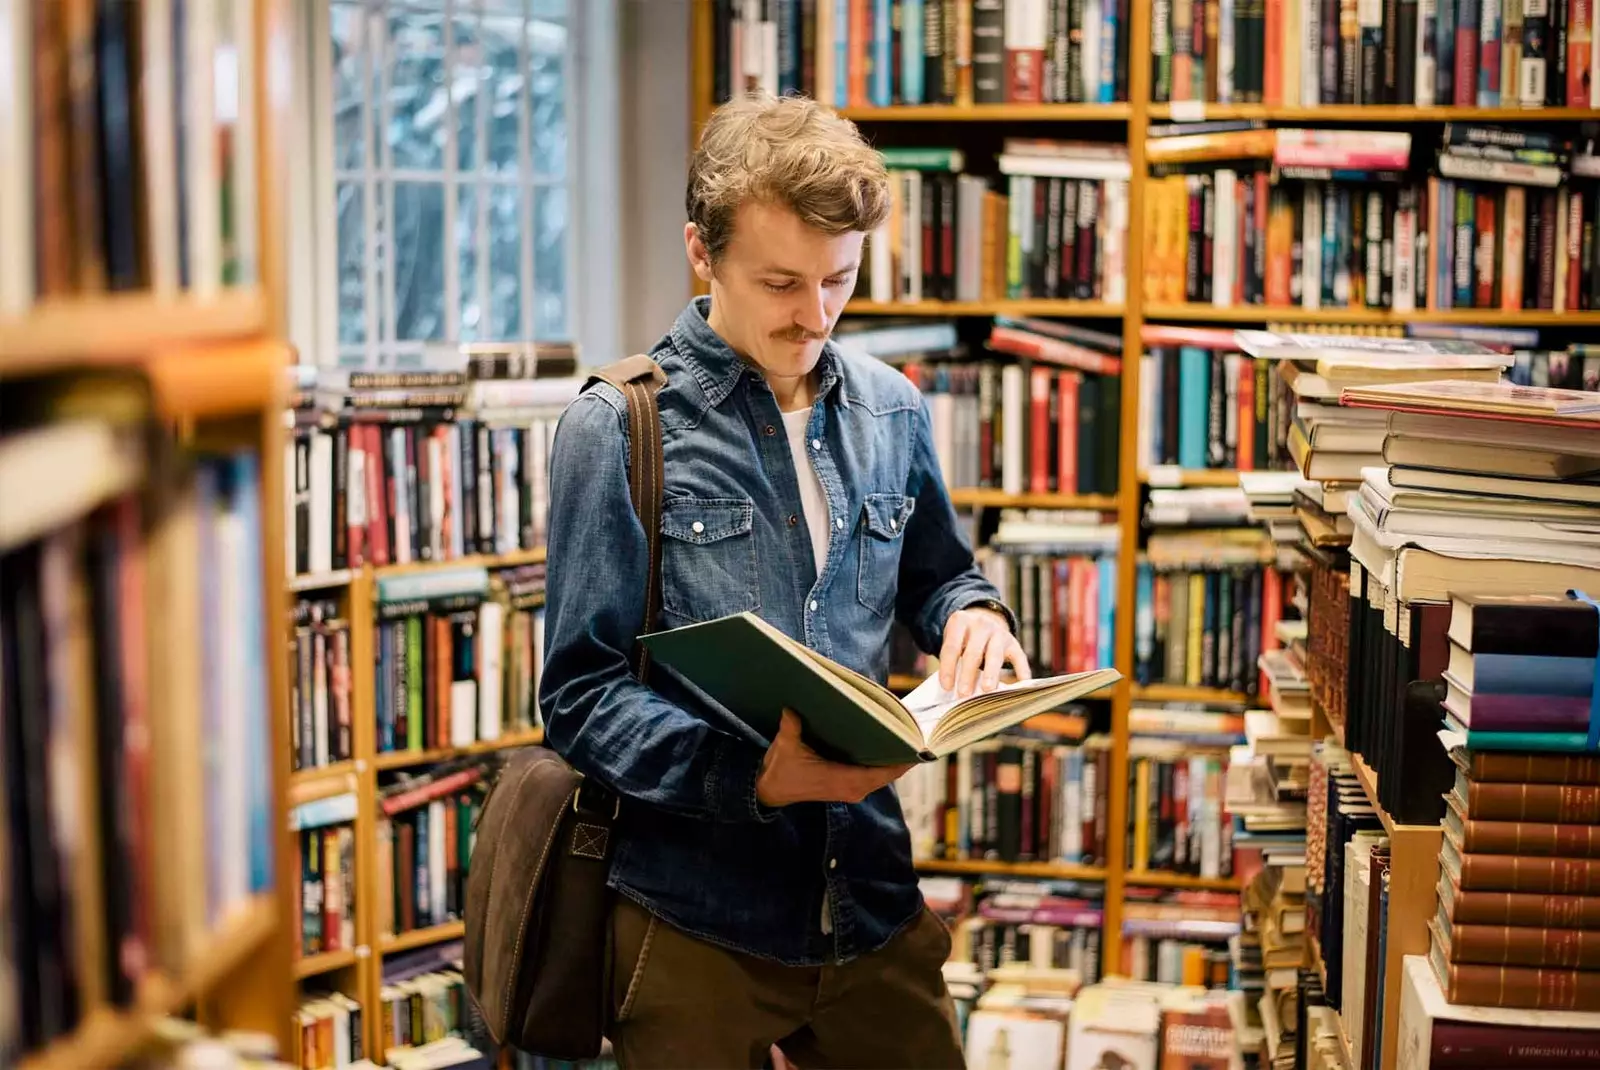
[882,537]
[708,558]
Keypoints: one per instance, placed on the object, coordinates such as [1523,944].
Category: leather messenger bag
[537,905]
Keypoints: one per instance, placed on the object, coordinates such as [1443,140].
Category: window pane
[381,301]
[419,261]
[352,264]
[417,111]
[547,45]
[505,262]
[502,56]
[349,48]
[467,81]
[550,262]
[466,241]
[550,9]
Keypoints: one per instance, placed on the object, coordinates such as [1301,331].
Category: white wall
[654,156]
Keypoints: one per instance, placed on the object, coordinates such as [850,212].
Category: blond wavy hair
[788,151]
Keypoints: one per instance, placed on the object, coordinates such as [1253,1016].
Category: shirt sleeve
[597,715]
[938,574]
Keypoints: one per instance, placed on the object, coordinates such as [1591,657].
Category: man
[766,896]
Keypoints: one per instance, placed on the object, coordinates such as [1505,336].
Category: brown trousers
[678,1002]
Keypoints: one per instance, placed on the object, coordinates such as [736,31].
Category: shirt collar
[717,367]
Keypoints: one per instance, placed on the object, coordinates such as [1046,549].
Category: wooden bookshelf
[436,934]
[1042,870]
[1164,476]
[1195,111]
[1149,878]
[1181,693]
[320,581]
[997,307]
[1483,317]
[984,497]
[326,962]
[991,113]
[402,759]
[506,560]
[127,328]
[211,365]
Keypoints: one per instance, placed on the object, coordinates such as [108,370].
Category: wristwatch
[997,606]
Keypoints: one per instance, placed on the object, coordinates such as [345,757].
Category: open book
[755,671]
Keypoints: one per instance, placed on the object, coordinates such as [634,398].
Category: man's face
[779,287]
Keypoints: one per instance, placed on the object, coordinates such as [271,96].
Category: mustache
[800,334]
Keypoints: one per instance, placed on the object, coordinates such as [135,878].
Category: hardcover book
[754,671]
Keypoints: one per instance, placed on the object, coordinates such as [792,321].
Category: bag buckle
[578,807]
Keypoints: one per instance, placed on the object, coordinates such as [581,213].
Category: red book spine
[1039,431]
[860,40]
[377,526]
[1246,460]
[1091,616]
[1466,84]
[1580,31]
[1067,433]
[1486,260]
[1075,615]
[1575,272]
[1271,611]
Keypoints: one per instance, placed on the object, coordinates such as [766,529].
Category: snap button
[813,605]
[833,863]
[894,525]
[816,443]
[698,527]
[839,521]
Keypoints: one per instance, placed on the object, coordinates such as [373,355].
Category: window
[449,171]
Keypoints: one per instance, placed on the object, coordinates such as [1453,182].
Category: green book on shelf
[754,671]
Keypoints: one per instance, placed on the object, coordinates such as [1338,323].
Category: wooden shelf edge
[326,962]
[998,307]
[400,759]
[107,1036]
[510,560]
[321,580]
[1181,693]
[1197,111]
[986,496]
[125,328]
[437,934]
[1048,870]
[1191,477]
[990,112]
[1156,879]
[1201,313]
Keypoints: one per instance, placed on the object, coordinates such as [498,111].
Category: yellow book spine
[1197,606]
[1141,815]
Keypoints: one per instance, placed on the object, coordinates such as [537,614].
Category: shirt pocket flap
[706,520]
[886,514]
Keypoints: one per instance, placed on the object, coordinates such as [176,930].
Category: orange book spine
[1272,68]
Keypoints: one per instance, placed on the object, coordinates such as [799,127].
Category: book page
[929,703]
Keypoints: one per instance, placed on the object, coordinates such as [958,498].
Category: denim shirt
[805,884]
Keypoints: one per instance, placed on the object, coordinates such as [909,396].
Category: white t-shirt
[813,502]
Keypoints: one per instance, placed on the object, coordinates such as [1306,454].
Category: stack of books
[1272,944]
[330,1032]
[327,861]
[1444,1035]
[1271,499]
[1067,207]
[1044,928]
[1518,923]
[1179,937]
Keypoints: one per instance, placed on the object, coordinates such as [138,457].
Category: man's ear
[699,256]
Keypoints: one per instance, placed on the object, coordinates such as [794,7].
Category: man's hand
[978,641]
[792,772]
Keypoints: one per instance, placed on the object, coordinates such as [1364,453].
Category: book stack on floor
[396,467]
[1518,923]
[1270,948]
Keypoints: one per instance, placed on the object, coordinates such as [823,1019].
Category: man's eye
[840,281]
[778,287]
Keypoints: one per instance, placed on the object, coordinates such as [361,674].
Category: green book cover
[754,671]
[414,655]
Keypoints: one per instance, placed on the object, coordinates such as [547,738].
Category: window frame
[590,67]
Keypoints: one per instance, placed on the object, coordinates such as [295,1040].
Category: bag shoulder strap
[639,378]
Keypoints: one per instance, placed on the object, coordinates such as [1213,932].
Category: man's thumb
[789,725]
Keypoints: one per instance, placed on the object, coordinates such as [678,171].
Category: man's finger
[789,726]
[954,639]
[971,661]
[1019,660]
[995,652]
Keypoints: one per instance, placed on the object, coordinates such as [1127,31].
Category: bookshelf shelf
[321,581]
[1189,477]
[1193,111]
[984,113]
[508,560]
[1155,879]
[108,1036]
[999,499]
[1369,784]
[404,758]
[1181,693]
[325,782]
[998,307]
[437,934]
[109,329]
[327,962]
[1483,317]
[1048,870]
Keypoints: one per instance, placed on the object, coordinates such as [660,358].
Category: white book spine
[1149,371]
[1013,399]
[1563,207]
[1311,52]
[1225,49]
[1093,20]
[457,501]
[1311,245]
[1224,244]
[321,558]
[200,150]
[491,639]
[401,549]
[319,698]
[16,141]
[436,497]
[463,712]
[1116,271]
[436,862]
